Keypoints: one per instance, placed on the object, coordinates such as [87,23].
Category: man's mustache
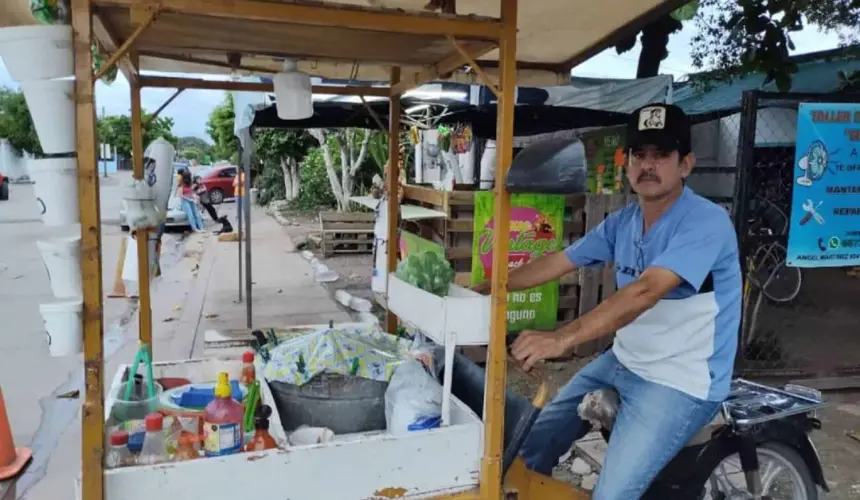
[647,176]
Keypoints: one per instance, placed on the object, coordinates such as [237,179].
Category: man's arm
[596,247]
[531,274]
[621,308]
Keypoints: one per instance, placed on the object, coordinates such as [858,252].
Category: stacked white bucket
[41,60]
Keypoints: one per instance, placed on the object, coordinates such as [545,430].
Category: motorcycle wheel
[776,461]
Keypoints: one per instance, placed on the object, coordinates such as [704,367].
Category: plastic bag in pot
[553,166]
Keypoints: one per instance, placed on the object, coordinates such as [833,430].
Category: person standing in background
[203,195]
[189,202]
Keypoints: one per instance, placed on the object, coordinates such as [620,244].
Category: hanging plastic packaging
[553,166]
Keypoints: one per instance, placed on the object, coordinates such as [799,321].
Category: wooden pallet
[579,292]
[350,232]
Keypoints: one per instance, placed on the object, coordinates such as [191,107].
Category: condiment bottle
[154,448]
[262,440]
[249,374]
[222,421]
[185,449]
[118,454]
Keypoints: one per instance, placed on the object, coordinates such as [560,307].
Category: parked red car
[219,181]
[4,187]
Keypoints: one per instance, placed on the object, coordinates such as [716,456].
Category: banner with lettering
[825,209]
[537,222]
[604,153]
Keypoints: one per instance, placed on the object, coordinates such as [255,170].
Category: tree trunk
[331,173]
[655,40]
[297,180]
[292,186]
[288,179]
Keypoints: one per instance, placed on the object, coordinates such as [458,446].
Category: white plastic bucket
[56,187]
[160,174]
[129,267]
[37,52]
[62,258]
[64,327]
[52,107]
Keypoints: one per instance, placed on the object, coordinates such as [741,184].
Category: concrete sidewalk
[284,292]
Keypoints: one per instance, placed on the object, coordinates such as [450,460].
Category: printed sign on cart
[604,153]
[825,209]
[536,229]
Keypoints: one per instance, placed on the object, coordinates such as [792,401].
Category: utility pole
[104,149]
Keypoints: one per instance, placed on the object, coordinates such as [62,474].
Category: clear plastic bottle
[154,450]
[118,454]
[223,431]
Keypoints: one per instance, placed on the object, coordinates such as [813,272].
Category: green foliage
[116,131]
[220,129]
[271,146]
[190,146]
[739,37]
[316,189]
[687,11]
[377,150]
[428,271]
[16,125]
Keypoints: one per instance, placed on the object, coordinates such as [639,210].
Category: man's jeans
[653,423]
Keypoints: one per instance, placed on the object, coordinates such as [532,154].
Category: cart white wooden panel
[351,467]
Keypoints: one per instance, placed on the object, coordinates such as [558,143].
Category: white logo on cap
[652,117]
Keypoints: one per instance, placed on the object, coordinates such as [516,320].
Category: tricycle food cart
[361,41]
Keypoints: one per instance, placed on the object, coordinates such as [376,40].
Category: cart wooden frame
[417,47]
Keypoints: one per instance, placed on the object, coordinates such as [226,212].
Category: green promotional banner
[536,229]
[604,152]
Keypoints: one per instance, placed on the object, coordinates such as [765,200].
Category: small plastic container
[139,407]
[186,449]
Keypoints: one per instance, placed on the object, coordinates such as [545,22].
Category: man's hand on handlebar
[532,346]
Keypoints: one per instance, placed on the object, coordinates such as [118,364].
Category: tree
[655,39]
[193,148]
[279,153]
[351,146]
[738,37]
[16,125]
[116,131]
[220,129]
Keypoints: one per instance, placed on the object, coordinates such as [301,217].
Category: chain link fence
[796,322]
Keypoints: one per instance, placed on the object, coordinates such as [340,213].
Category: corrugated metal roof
[817,76]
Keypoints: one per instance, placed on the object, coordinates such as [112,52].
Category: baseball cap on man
[664,126]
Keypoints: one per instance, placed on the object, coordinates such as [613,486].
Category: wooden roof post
[92,414]
[494,420]
[393,185]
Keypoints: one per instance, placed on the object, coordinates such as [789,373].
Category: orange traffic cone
[12,460]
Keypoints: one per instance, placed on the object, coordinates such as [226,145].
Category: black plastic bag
[553,166]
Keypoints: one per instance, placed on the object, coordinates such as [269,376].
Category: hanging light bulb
[293,93]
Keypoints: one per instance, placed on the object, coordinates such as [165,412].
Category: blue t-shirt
[687,341]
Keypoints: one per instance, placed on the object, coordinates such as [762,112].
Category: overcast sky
[191,109]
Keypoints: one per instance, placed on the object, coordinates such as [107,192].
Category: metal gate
[796,322]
